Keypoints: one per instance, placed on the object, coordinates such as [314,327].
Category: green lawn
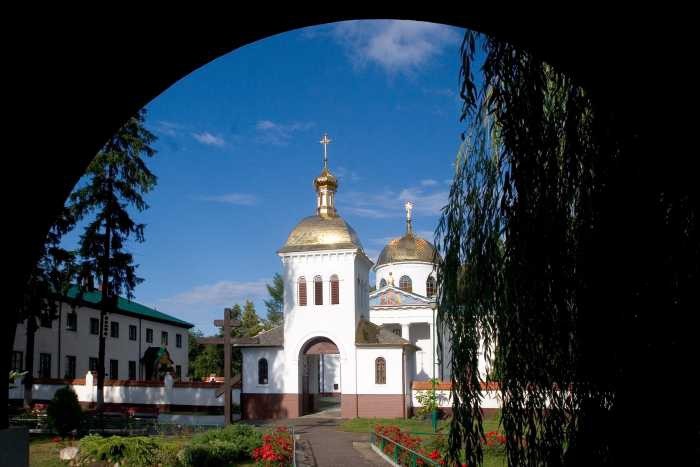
[365,425]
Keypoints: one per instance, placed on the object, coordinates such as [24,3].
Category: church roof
[410,247]
[127,307]
[321,233]
[369,334]
[271,338]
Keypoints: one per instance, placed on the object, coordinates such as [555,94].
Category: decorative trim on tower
[326,185]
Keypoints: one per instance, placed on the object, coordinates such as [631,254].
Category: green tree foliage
[116,181]
[562,248]
[211,359]
[209,362]
[48,283]
[251,324]
[64,413]
[275,314]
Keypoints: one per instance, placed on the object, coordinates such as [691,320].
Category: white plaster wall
[417,271]
[83,345]
[419,320]
[335,322]
[366,357]
[276,370]
[331,372]
[491,399]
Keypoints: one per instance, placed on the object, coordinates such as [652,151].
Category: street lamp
[433,306]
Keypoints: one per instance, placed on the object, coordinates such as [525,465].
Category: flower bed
[407,449]
[277,448]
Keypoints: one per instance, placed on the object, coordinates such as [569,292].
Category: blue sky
[238,148]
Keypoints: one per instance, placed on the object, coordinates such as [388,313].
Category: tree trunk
[29,362]
[104,304]
[8,336]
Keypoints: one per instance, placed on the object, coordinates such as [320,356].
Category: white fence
[491,394]
[167,394]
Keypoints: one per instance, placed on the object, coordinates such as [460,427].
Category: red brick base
[269,406]
[372,405]
[276,406]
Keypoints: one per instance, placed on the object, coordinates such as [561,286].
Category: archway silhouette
[612,64]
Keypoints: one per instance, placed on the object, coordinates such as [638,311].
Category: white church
[342,349]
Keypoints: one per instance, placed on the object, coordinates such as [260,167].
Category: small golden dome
[408,248]
[321,233]
[326,179]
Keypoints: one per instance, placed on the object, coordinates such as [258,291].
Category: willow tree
[542,242]
[116,181]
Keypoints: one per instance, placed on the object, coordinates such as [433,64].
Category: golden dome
[321,233]
[326,179]
[407,248]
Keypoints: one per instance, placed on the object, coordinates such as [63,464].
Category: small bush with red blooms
[277,448]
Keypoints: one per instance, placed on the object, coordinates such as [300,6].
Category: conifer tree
[274,305]
[116,180]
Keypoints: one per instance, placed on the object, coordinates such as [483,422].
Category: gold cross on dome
[325,141]
[409,208]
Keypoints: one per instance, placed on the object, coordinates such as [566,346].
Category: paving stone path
[331,447]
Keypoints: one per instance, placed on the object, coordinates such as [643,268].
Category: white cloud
[343,174]
[428,182]
[279,134]
[426,201]
[222,293]
[396,46]
[168,128]
[242,199]
[205,303]
[208,139]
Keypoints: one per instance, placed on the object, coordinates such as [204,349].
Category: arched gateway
[319,378]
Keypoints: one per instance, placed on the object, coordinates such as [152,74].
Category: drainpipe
[60,312]
[403,380]
[138,360]
[357,398]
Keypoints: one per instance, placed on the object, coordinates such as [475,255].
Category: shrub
[428,400]
[64,412]
[132,451]
[221,447]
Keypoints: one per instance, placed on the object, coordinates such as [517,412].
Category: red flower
[56,439]
[434,455]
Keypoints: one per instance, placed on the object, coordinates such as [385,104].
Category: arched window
[380,371]
[405,284]
[335,290]
[301,286]
[262,371]
[382,283]
[318,290]
[430,286]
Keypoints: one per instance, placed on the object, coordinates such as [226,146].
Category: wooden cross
[227,323]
